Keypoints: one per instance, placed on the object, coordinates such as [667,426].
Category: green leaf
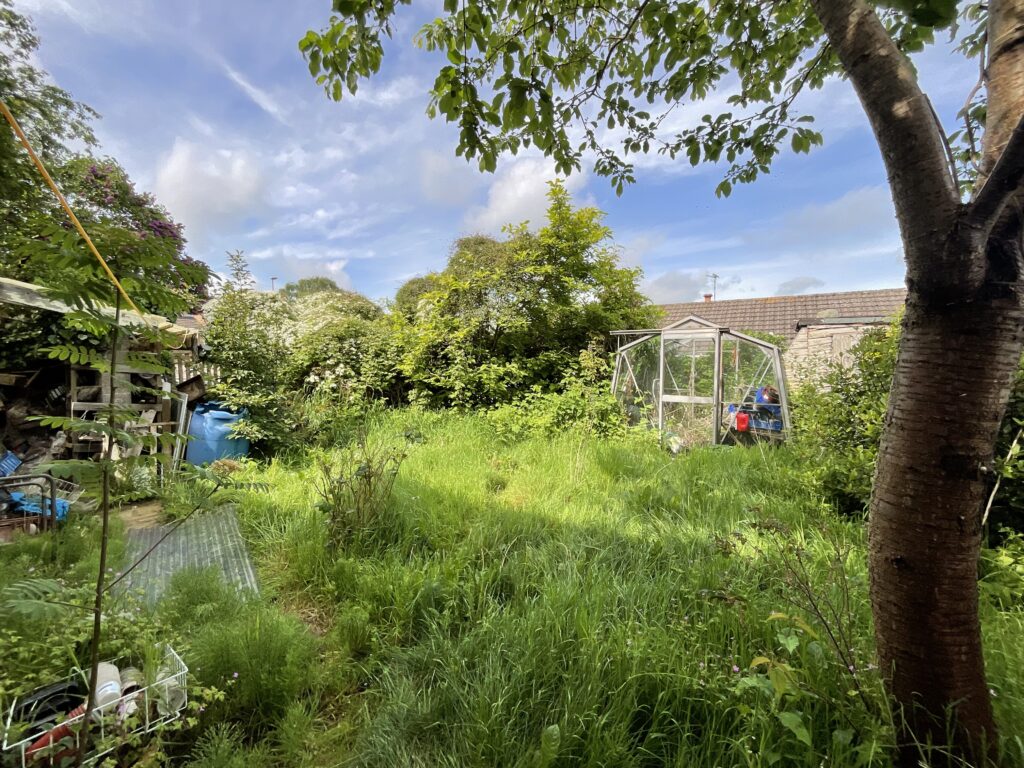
[794,721]
[788,640]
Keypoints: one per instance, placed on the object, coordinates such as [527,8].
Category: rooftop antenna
[714,285]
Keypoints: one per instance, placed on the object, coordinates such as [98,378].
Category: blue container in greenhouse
[210,431]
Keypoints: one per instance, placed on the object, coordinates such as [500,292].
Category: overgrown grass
[552,601]
[587,601]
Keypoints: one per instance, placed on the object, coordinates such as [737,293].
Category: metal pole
[717,395]
[661,389]
[787,423]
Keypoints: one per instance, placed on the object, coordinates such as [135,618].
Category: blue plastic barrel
[210,431]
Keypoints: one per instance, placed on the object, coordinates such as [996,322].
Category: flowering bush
[247,337]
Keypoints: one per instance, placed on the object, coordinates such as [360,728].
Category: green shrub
[262,658]
[247,337]
[1002,571]
[584,401]
[839,419]
[353,358]
[506,316]
[839,425]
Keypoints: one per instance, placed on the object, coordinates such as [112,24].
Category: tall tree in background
[505,316]
[583,80]
[307,286]
[50,117]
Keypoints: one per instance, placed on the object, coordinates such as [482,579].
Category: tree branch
[1005,179]
[923,189]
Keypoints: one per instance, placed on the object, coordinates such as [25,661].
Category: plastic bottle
[108,687]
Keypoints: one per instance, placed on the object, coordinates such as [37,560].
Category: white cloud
[860,218]
[205,188]
[310,252]
[796,285]
[675,286]
[200,126]
[261,98]
[93,16]
[517,194]
[390,94]
[446,179]
[636,248]
[290,262]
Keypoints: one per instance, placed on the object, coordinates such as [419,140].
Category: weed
[263,659]
[636,605]
[355,491]
[221,747]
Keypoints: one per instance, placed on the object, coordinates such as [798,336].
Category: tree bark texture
[962,340]
[952,381]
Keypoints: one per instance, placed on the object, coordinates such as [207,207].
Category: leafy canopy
[307,286]
[507,315]
[50,117]
[610,79]
[142,244]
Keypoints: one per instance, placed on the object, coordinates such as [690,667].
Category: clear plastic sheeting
[699,383]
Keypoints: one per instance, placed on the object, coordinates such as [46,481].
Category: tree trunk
[960,347]
[952,382]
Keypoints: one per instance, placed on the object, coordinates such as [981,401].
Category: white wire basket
[138,712]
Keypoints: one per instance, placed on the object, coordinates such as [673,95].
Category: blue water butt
[210,431]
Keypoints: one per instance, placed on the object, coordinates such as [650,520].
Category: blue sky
[210,106]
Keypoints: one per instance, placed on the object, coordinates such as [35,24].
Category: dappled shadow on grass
[599,587]
[630,636]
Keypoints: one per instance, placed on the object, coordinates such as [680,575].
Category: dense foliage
[505,317]
[597,82]
[839,421]
[505,322]
[141,242]
[246,337]
[307,286]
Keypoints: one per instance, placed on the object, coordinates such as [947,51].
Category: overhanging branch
[1006,179]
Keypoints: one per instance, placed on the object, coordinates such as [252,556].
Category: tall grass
[582,601]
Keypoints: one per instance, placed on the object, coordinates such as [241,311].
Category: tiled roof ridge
[783,314]
[775,299]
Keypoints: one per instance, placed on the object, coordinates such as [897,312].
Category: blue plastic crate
[8,463]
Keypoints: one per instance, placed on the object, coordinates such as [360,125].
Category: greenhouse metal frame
[697,382]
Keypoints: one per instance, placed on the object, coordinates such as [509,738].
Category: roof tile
[781,314]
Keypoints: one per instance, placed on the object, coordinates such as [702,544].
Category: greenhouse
[700,383]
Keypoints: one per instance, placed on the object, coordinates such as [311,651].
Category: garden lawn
[585,601]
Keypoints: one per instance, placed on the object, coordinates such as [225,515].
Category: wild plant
[355,490]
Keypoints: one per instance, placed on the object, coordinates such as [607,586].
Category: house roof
[783,315]
[193,322]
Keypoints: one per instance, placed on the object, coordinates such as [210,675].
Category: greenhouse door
[689,411]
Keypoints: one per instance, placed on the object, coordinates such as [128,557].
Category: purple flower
[735,668]
[234,675]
